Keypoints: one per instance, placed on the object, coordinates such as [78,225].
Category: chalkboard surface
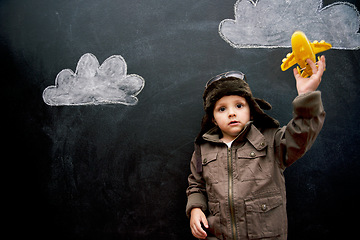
[117,168]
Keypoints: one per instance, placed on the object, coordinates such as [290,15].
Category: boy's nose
[232,114]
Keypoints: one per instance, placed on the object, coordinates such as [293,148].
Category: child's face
[231,113]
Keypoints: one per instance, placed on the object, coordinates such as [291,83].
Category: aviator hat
[234,83]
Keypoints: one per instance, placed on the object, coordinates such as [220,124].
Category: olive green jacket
[242,189]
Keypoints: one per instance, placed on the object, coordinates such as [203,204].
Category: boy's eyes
[222,109]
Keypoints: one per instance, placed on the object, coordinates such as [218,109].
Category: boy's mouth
[234,123]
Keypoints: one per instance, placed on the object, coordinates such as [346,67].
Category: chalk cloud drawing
[270,23]
[92,84]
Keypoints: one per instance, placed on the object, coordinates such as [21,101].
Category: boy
[240,156]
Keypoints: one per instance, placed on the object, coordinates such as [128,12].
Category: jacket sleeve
[196,192]
[296,138]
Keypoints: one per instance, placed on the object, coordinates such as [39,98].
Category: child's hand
[198,217]
[305,85]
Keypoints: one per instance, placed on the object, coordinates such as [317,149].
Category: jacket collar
[250,132]
[256,138]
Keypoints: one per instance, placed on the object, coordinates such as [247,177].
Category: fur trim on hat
[225,87]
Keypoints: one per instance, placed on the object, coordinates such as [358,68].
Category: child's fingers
[322,64]
[312,65]
[204,221]
[296,73]
[197,219]
[321,68]
[197,231]
[322,59]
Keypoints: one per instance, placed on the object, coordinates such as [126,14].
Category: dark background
[120,172]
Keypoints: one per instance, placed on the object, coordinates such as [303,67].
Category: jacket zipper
[231,197]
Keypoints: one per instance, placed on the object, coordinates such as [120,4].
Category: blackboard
[119,171]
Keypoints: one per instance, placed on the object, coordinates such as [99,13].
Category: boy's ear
[213,120]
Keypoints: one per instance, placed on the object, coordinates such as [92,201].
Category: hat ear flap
[263,104]
[207,123]
[260,118]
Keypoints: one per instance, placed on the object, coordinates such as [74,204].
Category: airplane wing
[320,46]
[288,61]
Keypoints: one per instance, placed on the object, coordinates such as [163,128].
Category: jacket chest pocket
[210,167]
[253,165]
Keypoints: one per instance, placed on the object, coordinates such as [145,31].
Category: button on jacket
[242,188]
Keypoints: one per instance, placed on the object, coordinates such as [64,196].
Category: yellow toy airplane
[303,49]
